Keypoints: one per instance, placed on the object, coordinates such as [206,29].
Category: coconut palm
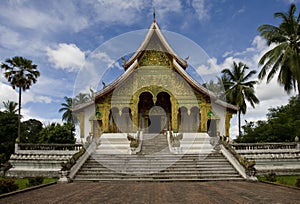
[285,56]
[21,73]
[241,89]
[10,107]
[81,98]
[67,110]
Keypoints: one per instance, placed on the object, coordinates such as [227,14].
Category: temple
[155,94]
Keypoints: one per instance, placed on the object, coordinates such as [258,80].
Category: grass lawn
[24,182]
[286,180]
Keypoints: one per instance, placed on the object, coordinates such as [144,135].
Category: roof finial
[154,19]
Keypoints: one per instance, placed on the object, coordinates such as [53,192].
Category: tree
[285,56]
[21,73]
[81,98]
[282,125]
[67,111]
[10,107]
[59,134]
[8,127]
[240,89]
[30,130]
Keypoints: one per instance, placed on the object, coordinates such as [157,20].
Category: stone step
[160,180]
[158,177]
[156,163]
[147,171]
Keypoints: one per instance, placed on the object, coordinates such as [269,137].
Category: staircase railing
[49,147]
[266,146]
[136,142]
[174,142]
[68,176]
[245,168]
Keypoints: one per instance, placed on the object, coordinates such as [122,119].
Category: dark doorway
[212,127]
[155,124]
[154,118]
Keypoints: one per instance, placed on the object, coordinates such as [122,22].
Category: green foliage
[30,131]
[272,177]
[282,125]
[240,88]
[290,180]
[284,56]
[7,185]
[20,73]
[67,110]
[57,133]
[34,181]
[8,133]
[298,182]
[10,107]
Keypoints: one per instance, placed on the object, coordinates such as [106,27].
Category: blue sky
[59,36]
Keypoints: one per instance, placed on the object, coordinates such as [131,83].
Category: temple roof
[154,40]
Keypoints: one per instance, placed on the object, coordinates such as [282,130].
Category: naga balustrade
[49,147]
[265,146]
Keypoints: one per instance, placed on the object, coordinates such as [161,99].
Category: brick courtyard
[158,192]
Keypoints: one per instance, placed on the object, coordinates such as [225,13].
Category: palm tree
[21,73]
[10,107]
[285,56]
[67,110]
[81,98]
[241,89]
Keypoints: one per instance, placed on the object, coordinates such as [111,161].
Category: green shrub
[7,185]
[271,177]
[298,182]
[35,181]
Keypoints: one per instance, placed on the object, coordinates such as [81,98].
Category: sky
[61,37]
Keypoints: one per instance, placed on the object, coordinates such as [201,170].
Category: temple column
[135,115]
[204,117]
[200,119]
[174,113]
[105,117]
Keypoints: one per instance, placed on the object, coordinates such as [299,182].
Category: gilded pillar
[204,117]
[174,114]
[105,117]
[135,114]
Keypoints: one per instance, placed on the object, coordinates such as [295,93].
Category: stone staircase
[156,163]
[154,143]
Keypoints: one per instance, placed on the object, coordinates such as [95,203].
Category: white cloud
[8,37]
[201,9]
[163,7]
[66,56]
[120,11]
[62,15]
[7,93]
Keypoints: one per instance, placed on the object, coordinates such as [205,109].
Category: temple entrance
[154,117]
[212,127]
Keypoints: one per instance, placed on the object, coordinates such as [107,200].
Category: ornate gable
[155,51]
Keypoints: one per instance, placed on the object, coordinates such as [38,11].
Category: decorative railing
[248,165]
[265,146]
[50,147]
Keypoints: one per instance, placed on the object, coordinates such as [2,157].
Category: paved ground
[158,192]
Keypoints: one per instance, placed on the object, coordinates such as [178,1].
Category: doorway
[212,127]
